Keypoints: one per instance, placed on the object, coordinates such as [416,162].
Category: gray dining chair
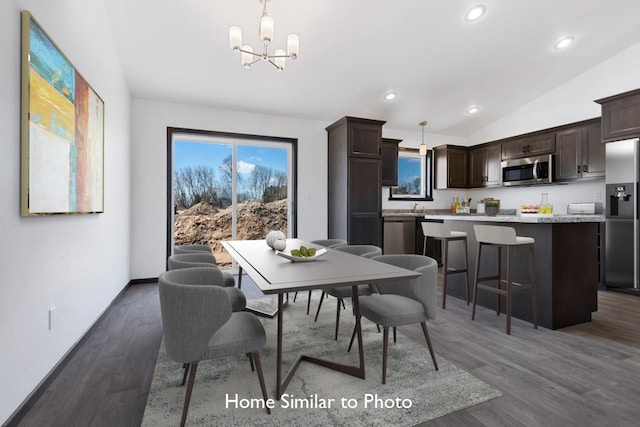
[367,251]
[202,259]
[327,243]
[186,249]
[185,260]
[198,324]
[404,302]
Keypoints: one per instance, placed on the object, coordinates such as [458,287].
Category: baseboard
[143,281]
[17,416]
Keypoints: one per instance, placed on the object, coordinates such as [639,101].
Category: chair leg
[385,344]
[338,318]
[193,367]
[426,336]
[309,302]
[378,326]
[319,305]
[295,296]
[394,335]
[263,387]
[475,282]
[185,366]
[250,361]
[445,270]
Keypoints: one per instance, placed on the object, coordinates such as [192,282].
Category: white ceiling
[353,51]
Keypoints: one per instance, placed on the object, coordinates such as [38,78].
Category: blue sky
[211,155]
[408,168]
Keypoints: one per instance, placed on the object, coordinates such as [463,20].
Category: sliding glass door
[227,187]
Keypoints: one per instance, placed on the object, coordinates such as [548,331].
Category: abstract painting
[62,131]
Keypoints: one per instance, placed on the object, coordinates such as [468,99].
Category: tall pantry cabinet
[355,180]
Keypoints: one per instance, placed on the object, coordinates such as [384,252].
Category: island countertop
[526,219]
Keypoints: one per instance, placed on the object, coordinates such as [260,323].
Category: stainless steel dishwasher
[399,235]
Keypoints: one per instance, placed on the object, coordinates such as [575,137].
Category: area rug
[227,392]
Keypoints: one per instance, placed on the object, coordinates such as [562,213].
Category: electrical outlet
[596,195]
[52,310]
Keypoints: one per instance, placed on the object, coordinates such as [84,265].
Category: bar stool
[498,236]
[441,231]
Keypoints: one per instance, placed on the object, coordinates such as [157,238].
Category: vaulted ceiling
[352,52]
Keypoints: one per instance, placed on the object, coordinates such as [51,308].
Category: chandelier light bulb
[280,58]
[293,45]
[235,37]
[247,57]
[266,29]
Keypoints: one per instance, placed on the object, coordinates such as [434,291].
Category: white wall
[79,263]
[150,120]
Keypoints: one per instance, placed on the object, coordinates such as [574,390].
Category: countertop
[533,219]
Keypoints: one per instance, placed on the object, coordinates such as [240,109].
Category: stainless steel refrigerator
[622,239]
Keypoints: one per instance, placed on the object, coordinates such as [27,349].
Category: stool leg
[499,279]
[509,289]
[445,270]
[466,268]
[475,282]
[424,247]
[534,301]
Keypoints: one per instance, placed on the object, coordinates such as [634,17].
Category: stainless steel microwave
[528,171]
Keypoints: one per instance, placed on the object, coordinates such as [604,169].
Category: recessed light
[564,42]
[473,110]
[390,95]
[475,12]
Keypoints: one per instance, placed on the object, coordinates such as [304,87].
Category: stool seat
[442,232]
[458,234]
[500,236]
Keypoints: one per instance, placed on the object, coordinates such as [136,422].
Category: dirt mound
[202,208]
[204,224]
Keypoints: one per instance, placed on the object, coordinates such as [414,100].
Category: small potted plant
[492,206]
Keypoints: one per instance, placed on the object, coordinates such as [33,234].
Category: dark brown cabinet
[533,145]
[389,161]
[354,181]
[580,153]
[451,167]
[620,116]
[484,166]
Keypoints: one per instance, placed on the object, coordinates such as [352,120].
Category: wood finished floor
[585,375]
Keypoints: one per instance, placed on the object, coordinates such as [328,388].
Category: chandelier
[423,146]
[249,57]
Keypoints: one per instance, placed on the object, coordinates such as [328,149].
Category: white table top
[274,274]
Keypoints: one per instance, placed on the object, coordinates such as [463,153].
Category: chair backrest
[495,234]
[330,243]
[422,289]
[184,249]
[193,259]
[191,311]
[367,251]
[436,229]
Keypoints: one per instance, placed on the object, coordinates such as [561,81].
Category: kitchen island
[568,264]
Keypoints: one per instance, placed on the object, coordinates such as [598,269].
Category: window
[228,186]
[414,176]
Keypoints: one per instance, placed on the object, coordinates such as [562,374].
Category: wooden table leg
[279,350]
[239,277]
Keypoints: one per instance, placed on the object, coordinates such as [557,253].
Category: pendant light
[423,146]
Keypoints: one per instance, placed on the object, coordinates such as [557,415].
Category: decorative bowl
[287,255]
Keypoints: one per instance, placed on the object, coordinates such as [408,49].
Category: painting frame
[62,131]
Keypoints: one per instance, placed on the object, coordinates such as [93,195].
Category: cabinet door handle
[578,171]
[524,148]
[584,168]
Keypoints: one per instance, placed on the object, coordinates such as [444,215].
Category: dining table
[274,274]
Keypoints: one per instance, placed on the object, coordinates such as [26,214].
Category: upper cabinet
[451,167]
[484,166]
[365,137]
[580,153]
[389,161]
[544,143]
[620,116]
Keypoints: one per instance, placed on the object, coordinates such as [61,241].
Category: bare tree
[226,175]
[193,185]
[260,180]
